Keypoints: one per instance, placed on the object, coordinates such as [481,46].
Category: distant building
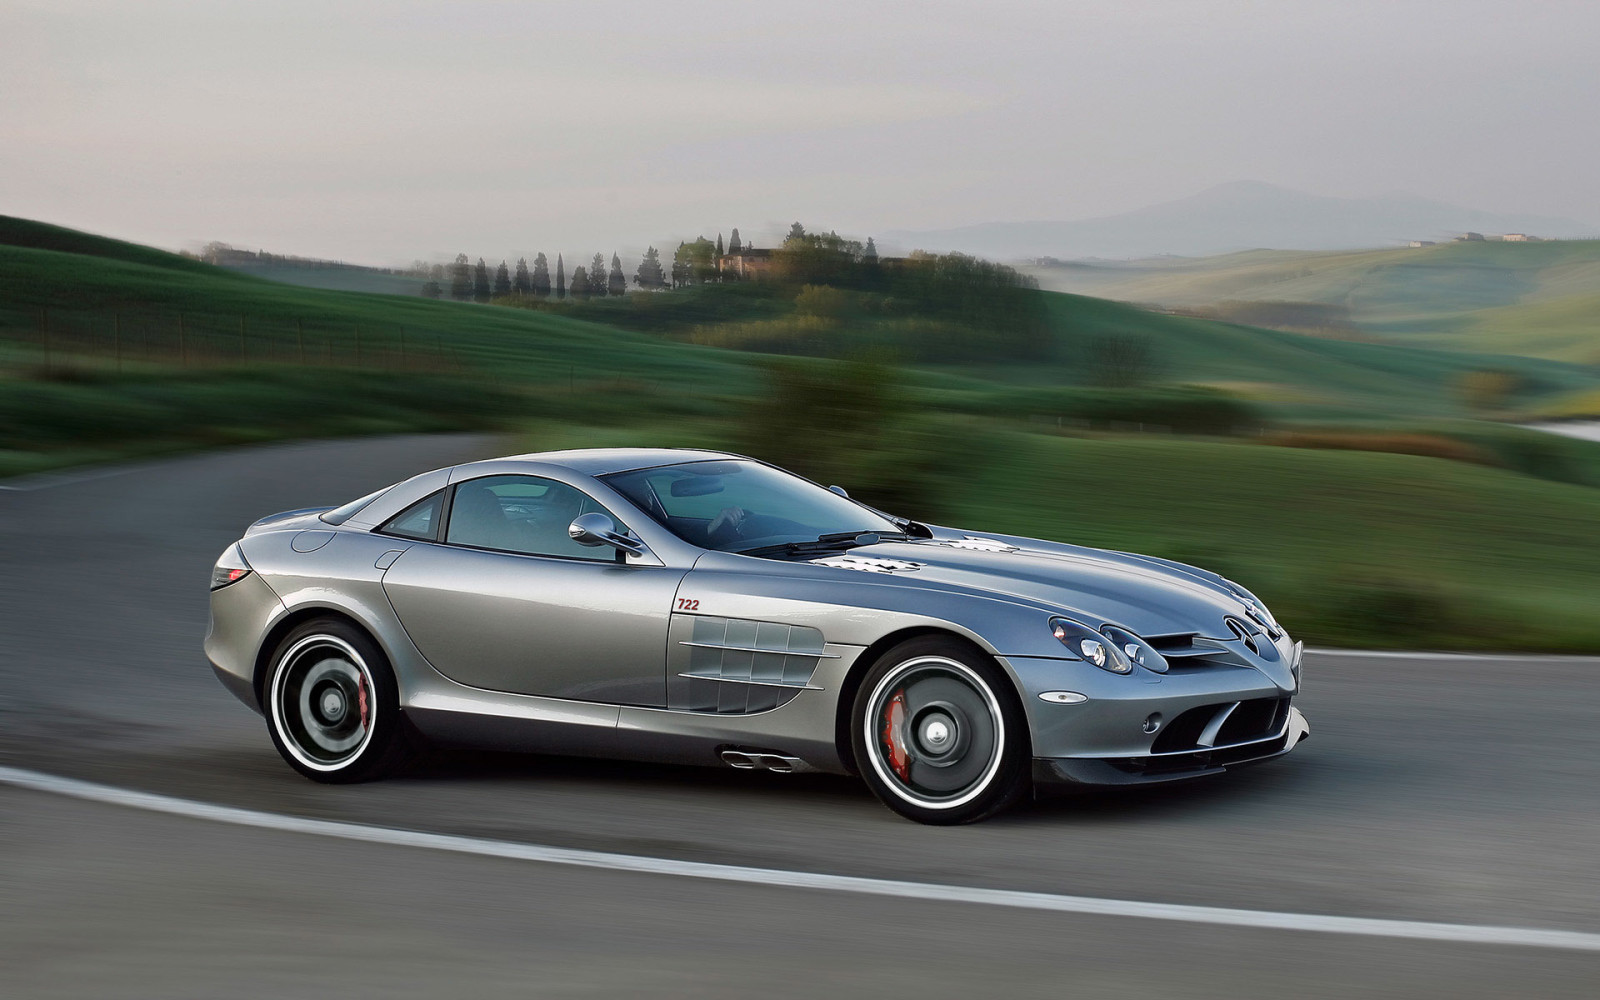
[1422,243]
[1518,238]
[1469,238]
[745,264]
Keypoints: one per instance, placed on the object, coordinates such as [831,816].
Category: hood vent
[869,564]
[976,544]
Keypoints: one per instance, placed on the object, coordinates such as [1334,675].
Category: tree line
[694,263]
[468,282]
[960,287]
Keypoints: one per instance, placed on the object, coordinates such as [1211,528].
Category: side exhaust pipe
[747,760]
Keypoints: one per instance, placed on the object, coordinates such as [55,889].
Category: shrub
[852,424]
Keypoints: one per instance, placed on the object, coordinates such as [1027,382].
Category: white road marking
[1412,654]
[1265,919]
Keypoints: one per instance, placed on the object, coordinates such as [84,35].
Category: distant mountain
[1242,215]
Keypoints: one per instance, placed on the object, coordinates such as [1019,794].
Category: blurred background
[1307,294]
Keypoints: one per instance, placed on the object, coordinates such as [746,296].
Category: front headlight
[1087,644]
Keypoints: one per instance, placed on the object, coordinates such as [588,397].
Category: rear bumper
[241,614]
[1158,768]
[239,687]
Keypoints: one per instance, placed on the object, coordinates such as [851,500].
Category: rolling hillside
[1535,299]
[175,310]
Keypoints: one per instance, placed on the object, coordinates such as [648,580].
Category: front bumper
[1157,768]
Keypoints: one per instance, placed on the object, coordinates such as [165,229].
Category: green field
[1536,299]
[109,350]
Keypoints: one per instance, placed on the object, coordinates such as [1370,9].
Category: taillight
[231,568]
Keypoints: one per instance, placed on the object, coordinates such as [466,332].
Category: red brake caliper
[361,700]
[894,724]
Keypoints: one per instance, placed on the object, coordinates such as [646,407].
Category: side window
[419,521]
[523,514]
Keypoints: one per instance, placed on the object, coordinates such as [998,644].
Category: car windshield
[740,506]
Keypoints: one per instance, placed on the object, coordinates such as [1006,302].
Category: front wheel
[938,735]
[332,705]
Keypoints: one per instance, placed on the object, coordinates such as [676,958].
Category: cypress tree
[870,254]
[580,283]
[616,284]
[480,282]
[541,276]
[502,280]
[561,278]
[597,276]
[461,279]
[649,274]
[521,283]
[734,246]
[720,251]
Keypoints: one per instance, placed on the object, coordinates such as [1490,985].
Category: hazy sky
[381,132]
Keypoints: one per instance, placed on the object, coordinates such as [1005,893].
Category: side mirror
[839,490]
[594,528]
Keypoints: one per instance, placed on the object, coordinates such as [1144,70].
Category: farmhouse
[745,263]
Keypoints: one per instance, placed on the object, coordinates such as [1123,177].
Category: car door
[501,598]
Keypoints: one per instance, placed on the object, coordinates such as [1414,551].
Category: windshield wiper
[833,541]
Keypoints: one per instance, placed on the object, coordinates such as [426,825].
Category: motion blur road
[1461,790]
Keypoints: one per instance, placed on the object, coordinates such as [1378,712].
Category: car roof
[605,461]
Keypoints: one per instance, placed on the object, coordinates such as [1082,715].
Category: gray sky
[380,132]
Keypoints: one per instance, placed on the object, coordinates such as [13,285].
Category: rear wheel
[938,735]
[333,707]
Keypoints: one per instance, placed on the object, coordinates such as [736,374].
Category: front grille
[1187,652]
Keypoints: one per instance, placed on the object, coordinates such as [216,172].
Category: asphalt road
[1437,789]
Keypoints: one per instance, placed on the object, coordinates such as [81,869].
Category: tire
[938,734]
[332,705]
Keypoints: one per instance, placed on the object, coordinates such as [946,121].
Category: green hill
[1532,299]
[29,234]
[1304,377]
[108,297]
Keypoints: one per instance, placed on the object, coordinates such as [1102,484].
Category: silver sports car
[707,608]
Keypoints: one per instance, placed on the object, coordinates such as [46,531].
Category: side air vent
[736,667]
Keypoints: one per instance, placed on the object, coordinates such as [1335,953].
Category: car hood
[1148,596]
